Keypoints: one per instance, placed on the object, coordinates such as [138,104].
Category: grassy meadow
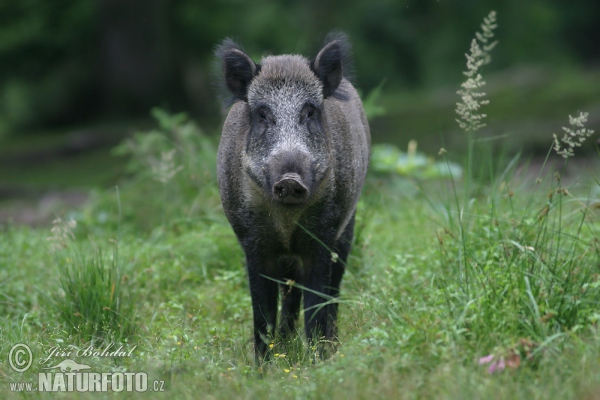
[475,278]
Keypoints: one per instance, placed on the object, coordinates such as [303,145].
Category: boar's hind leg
[342,249]
[263,292]
[290,308]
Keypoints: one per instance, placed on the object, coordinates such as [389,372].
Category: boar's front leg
[316,314]
[263,292]
[342,248]
[325,277]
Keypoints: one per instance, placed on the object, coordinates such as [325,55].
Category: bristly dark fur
[224,94]
[291,164]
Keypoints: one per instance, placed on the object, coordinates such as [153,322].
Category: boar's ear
[333,63]
[238,68]
[327,65]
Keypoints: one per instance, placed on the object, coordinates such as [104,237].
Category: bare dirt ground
[39,209]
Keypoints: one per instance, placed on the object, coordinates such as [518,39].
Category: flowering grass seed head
[165,169]
[471,98]
[61,232]
[574,135]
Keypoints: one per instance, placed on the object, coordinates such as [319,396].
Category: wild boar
[291,164]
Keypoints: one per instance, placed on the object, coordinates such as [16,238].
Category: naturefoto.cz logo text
[69,375]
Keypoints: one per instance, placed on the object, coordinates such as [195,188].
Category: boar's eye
[264,116]
[309,112]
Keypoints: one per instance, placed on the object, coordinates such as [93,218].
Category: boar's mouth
[290,190]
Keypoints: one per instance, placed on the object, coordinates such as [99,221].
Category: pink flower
[497,366]
[486,359]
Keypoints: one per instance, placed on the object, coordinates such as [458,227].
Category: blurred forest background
[76,76]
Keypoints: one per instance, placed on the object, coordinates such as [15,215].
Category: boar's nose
[290,189]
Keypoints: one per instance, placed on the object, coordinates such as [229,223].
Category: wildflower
[467,109]
[512,358]
[574,135]
[486,360]
[495,364]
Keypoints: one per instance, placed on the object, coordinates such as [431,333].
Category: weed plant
[519,266]
[93,304]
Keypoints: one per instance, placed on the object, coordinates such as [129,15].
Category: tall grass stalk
[470,119]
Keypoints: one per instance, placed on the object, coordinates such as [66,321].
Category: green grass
[429,288]
[91,303]
[442,273]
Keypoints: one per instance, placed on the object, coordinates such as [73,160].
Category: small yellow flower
[295,376]
[286,370]
[271,345]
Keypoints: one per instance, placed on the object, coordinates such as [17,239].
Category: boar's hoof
[290,190]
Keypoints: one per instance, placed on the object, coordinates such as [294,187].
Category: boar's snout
[290,189]
[290,176]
